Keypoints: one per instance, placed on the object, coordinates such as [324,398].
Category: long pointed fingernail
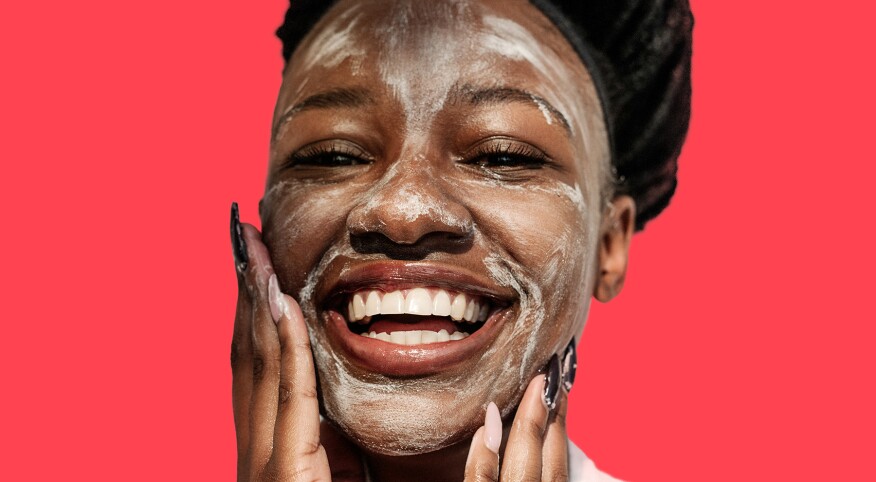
[552,383]
[570,365]
[493,428]
[238,244]
[276,300]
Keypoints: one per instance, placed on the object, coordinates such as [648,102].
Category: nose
[409,213]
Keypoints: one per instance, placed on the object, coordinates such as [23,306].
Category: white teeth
[358,307]
[470,311]
[418,302]
[372,305]
[413,337]
[441,306]
[429,337]
[417,337]
[393,303]
[457,309]
[398,337]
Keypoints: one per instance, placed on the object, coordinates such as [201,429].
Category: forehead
[439,41]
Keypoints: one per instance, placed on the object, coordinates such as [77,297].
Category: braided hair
[639,55]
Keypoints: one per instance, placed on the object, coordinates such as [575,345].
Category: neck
[447,464]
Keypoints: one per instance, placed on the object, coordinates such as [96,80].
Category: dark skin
[398,139]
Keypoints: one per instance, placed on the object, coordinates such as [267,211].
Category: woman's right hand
[537,447]
[276,411]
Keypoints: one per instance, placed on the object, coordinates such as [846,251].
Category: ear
[618,223]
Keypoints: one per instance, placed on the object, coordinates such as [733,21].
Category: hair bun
[640,53]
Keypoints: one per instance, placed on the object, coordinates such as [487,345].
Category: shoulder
[582,469]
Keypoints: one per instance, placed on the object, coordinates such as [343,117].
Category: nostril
[378,243]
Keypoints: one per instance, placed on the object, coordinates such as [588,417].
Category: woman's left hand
[537,447]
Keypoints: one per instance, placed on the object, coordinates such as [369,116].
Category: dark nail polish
[552,383]
[238,244]
[570,364]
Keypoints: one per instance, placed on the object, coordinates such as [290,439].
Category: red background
[741,349]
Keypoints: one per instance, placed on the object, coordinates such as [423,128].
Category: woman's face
[423,151]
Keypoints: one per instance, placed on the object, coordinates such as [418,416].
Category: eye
[327,155]
[503,155]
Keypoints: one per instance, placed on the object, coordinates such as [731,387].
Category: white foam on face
[508,273]
[404,417]
[576,98]
[418,61]
[400,196]
[334,42]
[548,117]
[418,58]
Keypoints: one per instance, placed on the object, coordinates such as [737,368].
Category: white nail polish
[276,300]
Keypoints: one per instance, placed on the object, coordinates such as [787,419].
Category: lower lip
[402,360]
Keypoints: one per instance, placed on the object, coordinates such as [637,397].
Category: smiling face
[436,168]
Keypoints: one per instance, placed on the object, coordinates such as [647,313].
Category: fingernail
[277,302]
[552,383]
[238,244]
[570,364]
[493,428]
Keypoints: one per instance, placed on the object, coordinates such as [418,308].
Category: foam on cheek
[508,273]
[311,211]
[565,269]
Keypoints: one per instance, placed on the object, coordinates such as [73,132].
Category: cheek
[300,222]
[547,229]
[543,239]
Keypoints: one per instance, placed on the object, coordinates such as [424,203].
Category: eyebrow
[349,98]
[495,95]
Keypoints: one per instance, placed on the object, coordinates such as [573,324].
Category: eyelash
[494,155]
[327,156]
[508,155]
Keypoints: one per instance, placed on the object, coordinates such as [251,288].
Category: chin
[400,417]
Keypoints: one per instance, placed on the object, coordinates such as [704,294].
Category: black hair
[639,55]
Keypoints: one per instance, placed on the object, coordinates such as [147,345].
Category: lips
[408,319]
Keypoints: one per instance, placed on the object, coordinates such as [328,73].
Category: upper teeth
[417,301]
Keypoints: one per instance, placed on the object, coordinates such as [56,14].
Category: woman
[449,184]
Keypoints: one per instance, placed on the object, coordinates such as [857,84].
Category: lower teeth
[417,337]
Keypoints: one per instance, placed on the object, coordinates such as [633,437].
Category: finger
[555,451]
[241,367]
[241,340]
[522,460]
[483,455]
[296,432]
[265,351]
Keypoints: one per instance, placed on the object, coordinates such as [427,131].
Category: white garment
[582,469]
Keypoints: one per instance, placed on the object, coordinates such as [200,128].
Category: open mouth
[416,316]
[411,319]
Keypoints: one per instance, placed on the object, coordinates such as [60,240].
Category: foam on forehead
[420,47]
